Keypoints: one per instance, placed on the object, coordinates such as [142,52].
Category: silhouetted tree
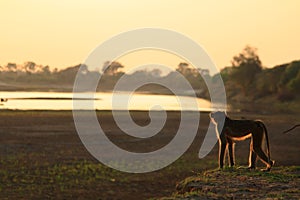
[290,72]
[291,77]
[246,66]
[183,68]
[29,67]
[294,84]
[155,72]
[226,73]
[111,68]
[46,70]
[67,76]
[11,66]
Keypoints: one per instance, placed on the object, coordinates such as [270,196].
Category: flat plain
[42,156]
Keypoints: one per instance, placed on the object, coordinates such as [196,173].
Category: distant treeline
[30,76]
[246,79]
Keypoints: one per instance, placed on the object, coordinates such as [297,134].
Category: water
[101,101]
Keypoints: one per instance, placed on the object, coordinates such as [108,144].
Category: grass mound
[280,183]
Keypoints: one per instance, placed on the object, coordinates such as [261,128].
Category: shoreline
[49,110]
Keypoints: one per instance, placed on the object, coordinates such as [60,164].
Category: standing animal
[237,130]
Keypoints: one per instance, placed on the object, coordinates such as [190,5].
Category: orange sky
[63,33]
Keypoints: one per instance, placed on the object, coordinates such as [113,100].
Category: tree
[294,84]
[290,72]
[247,56]
[46,70]
[291,77]
[155,72]
[226,73]
[246,66]
[182,67]
[29,67]
[11,66]
[111,68]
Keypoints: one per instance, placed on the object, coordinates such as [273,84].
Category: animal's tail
[267,139]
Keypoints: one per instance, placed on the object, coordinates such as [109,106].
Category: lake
[101,100]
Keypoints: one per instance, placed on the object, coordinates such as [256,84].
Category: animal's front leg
[222,149]
[231,153]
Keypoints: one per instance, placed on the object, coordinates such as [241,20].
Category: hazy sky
[62,33]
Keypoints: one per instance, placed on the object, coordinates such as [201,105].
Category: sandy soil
[35,143]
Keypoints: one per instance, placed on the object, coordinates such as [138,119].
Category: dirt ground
[41,156]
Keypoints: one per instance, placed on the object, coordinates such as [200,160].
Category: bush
[285,96]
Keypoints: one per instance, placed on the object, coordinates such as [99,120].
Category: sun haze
[63,33]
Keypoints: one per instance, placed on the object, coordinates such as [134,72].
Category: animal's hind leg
[262,156]
[257,138]
[252,160]
[252,156]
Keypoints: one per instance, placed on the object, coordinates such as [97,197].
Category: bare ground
[41,156]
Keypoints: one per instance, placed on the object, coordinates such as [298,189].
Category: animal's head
[218,116]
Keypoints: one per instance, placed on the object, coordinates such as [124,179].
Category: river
[101,101]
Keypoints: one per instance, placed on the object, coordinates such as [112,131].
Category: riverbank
[41,156]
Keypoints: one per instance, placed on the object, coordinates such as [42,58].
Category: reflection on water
[102,101]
